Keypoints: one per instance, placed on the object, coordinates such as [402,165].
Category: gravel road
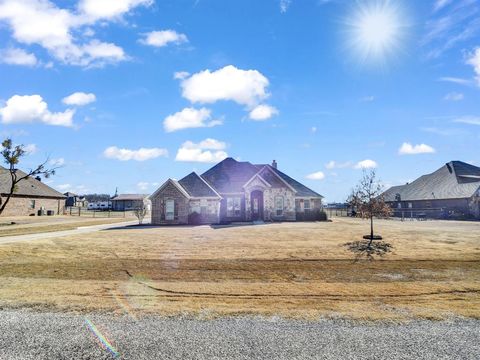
[33,335]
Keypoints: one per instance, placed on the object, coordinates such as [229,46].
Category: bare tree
[368,202]
[12,154]
[141,212]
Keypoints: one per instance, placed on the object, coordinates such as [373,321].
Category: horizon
[126,97]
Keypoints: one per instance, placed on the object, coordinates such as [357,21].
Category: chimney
[274,164]
[38,178]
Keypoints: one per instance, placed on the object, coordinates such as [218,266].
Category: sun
[376,29]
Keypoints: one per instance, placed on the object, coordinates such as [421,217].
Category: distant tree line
[91,198]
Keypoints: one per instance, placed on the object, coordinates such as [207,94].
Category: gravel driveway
[30,335]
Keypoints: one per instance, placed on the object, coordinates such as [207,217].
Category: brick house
[453,191]
[30,196]
[233,191]
[128,202]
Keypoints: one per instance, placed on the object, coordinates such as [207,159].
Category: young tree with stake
[367,200]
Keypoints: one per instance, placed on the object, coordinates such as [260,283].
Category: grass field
[13,226]
[290,269]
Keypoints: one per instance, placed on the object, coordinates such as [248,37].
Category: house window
[410,205]
[203,206]
[306,204]
[399,205]
[195,207]
[279,205]
[32,204]
[233,207]
[170,210]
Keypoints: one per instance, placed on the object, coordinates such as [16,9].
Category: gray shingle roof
[230,175]
[28,187]
[302,190]
[129,197]
[196,186]
[454,180]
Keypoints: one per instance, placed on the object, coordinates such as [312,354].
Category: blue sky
[128,93]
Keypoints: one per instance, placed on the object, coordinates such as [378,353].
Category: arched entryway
[256,203]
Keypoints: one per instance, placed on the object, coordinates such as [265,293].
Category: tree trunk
[371,232]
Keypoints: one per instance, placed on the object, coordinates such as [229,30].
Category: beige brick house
[30,196]
[234,191]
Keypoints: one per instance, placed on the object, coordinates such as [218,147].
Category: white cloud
[474,60]
[470,120]
[262,112]
[13,56]
[141,154]
[366,164]
[32,108]
[284,5]
[368,98]
[180,75]
[313,129]
[76,189]
[30,149]
[453,96]
[456,80]
[109,9]
[57,162]
[440,4]
[79,99]
[143,186]
[207,151]
[316,176]
[409,149]
[163,38]
[60,30]
[189,118]
[245,87]
[335,165]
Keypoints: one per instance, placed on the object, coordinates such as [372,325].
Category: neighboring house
[74,200]
[126,202]
[233,191]
[30,196]
[451,191]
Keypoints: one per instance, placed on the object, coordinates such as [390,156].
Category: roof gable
[195,186]
[173,183]
[301,190]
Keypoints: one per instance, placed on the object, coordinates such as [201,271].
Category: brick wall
[21,206]
[170,192]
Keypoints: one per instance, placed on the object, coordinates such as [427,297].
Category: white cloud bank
[163,38]
[32,108]
[60,30]
[474,60]
[366,164]
[453,96]
[206,151]
[262,113]
[79,99]
[141,154]
[316,176]
[190,118]
[245,87]
[14,56]
[409,149]
[470,120]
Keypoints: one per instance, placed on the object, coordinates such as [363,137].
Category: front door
[256,200]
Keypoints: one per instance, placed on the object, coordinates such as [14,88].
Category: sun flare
[376,29]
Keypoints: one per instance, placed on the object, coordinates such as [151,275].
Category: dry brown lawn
[13,226]
[289,269]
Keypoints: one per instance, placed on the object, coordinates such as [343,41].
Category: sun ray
[376,30]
